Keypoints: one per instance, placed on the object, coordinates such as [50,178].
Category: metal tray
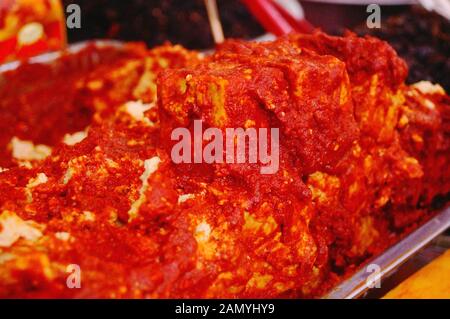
[51,57]
[388,262]
[357,285]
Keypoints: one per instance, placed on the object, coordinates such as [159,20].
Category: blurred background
[419,30]
[420,36]
[157,21]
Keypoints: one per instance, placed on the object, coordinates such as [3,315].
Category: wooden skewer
[214,21]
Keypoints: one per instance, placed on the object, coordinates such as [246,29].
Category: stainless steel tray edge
[52,56]
[392,258]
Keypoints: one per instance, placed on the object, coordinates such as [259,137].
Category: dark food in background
[422,38]
[158,21]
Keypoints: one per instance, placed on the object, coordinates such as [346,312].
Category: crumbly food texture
[363,158]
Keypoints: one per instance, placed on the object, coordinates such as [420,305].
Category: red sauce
[340,196]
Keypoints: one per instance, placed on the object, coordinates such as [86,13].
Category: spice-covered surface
[422,39]
[42,103]
[157,21]
[363,159]
[30,27]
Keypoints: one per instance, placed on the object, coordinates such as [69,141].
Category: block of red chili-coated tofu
[376,74]
[357,53]
[304,94]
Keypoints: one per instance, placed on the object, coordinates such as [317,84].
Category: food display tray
[357,285]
